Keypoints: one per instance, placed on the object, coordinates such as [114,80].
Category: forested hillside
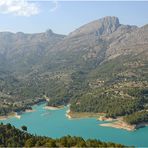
[100,67]
[12,137]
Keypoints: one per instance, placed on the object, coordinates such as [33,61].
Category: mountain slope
[25,50]
[111,67]
[95,68]
[21,57]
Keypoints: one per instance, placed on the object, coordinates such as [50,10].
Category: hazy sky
[63,17]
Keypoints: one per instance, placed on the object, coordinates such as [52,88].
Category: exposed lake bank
[71,114]
[16,114]
[10,115]
[55,124]
[123,125]
[118,123]
[111,122]
[53,108]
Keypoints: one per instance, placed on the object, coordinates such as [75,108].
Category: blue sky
[63,17]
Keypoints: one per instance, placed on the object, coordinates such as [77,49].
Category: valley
[100,67]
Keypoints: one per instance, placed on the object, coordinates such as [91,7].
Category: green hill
[12,137]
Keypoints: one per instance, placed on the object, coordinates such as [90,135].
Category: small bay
[54,123]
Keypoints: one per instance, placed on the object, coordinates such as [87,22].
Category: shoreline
[103,118]
[67,114]
[16,114]
[29,111]
[53,108]
[120,125]
[11,115]
[71,115]
[111,122]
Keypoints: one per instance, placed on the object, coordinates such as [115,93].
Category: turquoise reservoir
[54,123]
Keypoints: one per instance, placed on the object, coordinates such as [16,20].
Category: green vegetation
[115,89]
[117,100]
[91,72]
[12,137]
[24,128]
[137,117]
[20,106]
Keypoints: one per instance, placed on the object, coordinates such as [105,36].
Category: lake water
[54,123]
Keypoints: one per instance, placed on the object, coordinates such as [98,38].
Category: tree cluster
[12,137]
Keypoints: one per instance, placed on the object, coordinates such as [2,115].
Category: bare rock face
[103,39]
[99,27]
[132,41]
[106,38]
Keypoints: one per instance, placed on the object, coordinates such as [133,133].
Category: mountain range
[100,67]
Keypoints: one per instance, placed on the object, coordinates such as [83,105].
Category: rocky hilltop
[104,26]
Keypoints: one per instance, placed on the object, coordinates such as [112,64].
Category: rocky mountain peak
[109,22]
[102,26]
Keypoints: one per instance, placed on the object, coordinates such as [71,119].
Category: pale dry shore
[53,108]
[72,115]
[16,115]
[67,114]
[103,118]
[114,123]
[117,123]
[120,125]
[29,110]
